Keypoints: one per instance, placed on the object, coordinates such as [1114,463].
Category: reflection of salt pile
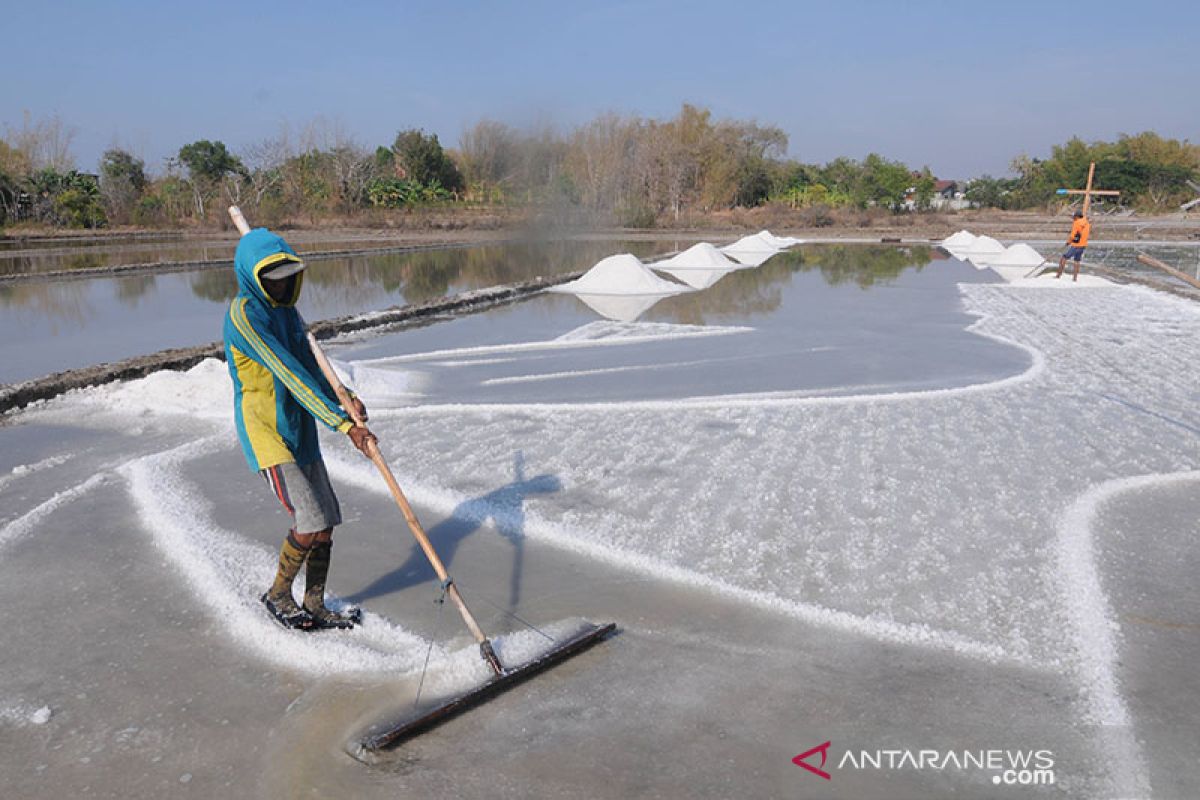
[700,266]
[751,250]
[1016,262]
[620,288]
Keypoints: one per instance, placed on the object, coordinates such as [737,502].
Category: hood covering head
[260,252]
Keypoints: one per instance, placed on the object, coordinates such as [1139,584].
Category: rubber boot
[315,574]
[278,599]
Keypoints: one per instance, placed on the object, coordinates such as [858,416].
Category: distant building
[947,195]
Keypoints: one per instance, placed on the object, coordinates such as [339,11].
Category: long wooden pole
[1087,192]
[1154,262]
[343,395]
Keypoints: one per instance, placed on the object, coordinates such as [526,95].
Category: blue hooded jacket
[278,389]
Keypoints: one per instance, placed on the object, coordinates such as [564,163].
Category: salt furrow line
[445,501]
[24,470]
[227,574]
[1094,630]
[563,342]
[26,523]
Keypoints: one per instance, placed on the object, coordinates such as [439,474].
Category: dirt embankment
[461,227]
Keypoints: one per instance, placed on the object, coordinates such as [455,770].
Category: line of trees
[1150,172]
[618,169]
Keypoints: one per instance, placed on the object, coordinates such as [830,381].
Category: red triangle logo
[823,749]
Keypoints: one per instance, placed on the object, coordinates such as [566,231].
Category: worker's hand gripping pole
[485,646]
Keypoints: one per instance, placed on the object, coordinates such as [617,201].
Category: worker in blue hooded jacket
[278,394]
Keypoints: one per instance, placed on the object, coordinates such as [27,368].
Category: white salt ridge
[620,275]
[37,466]
[20,714]
[448,502]
[25,470]
[592,334]
[578,373]
[1047,281]
[625,333]
[1094,627]
[27,522]
[226,573]
[203,392]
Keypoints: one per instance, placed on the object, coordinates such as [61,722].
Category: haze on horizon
[960,88]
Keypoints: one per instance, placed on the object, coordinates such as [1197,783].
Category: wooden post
[1154,262]
[1088,192]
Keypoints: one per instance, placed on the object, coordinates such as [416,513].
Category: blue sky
[961,86]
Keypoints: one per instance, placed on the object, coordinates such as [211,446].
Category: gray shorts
[306,494]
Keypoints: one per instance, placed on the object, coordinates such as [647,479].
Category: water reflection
[759,290]
[50,326]
[32,257]
[427,275]
[131,290]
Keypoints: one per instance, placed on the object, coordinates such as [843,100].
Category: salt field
[873,496]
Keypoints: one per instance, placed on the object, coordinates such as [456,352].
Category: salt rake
[387,734]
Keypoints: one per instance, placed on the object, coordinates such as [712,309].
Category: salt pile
[1019,255]
[620,275]
[779,242]
[700,266]
[1016,263]
[959,241]
[620,288]
[698,256]
[756,243]
[751,250]
[982,251]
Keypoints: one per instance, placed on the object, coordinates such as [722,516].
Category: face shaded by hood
[260,251]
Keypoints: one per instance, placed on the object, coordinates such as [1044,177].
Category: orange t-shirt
[1079,232]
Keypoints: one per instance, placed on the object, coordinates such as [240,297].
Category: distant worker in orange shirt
[1076,243]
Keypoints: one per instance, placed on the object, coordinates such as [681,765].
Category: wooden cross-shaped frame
[1089,191]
